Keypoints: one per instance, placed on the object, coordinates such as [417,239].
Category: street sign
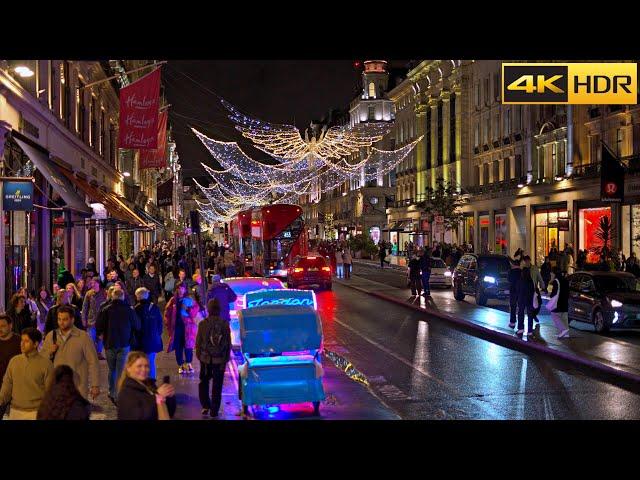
[17,195]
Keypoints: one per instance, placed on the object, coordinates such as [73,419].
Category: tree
[605,233]
[445,201]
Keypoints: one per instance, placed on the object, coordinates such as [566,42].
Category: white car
[441,276]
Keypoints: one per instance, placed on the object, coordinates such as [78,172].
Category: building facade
[430,103]
[60,126]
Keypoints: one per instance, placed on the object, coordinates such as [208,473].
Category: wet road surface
[423,368]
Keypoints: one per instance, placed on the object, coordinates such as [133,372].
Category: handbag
[553,301]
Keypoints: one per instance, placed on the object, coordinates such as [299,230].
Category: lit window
[372,90]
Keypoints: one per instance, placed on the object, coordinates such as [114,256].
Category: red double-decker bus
[240,238]
[278,235]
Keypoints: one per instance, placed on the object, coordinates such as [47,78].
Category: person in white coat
[348,262]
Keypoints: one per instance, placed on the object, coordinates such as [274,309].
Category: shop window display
[501,233]
[589,219]
[548,236]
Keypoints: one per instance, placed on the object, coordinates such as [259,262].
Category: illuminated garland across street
[303,167]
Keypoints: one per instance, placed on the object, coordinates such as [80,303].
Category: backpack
[217,343]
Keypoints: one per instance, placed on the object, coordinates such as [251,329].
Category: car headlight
[447,273]
[616,304]
[489,279]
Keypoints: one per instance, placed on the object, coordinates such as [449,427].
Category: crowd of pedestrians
[51,345]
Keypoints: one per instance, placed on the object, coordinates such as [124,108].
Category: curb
[613,375]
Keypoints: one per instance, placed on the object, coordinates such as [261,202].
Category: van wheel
[599,322]
[458,294]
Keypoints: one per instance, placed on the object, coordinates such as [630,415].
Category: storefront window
[501,233]
[394,242]
[468,230]
[589,221]
[484,233]
[550,233]
[57,244]
[374,233]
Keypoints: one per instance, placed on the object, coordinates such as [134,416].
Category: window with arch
[372,90]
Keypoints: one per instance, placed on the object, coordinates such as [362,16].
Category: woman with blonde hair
[75,297]
[138,396]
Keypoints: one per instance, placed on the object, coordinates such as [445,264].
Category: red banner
[157,158]
[139,106]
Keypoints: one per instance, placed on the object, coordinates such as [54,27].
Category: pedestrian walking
[24,382]
[62,399]
[559,302]
[229,263]
[9,348]
[213,348]
[134,283]
[44,303]
[51,322]
[382,254]
[224,294]
[180,319]
[149,337]
[95,298]
[539,286]
[347,260]
[68,345]
[169,284]
[339,263]
[138,396]
[515,275]
[425,268]
[525,297]
[151,281]
[19,313]
[117,323]
[415,276]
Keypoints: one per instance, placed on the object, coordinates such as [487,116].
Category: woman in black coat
[138,396]
[20,314]
[559,302]
[62,400]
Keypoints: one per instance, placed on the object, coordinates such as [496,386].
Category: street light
[23,71]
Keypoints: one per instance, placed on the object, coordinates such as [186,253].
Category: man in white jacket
[347,260]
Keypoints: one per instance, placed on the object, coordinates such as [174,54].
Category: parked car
[310,272]
[483,276]
[441,275]
[605,299]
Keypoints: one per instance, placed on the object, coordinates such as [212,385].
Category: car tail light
[298,270]
[326,269]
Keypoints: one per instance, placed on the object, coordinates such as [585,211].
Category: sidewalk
[599,354]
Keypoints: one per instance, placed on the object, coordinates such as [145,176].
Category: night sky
[278,91]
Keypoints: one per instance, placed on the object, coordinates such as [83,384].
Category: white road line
[396,356]
[523,385]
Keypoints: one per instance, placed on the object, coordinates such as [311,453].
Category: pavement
[617,353]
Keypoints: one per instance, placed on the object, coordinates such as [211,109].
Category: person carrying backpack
[213,348]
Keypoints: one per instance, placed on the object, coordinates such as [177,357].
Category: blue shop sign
[17,196]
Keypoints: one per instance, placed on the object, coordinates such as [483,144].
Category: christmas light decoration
[301,167]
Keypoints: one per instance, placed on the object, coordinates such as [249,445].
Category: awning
[150,218]
[392,227]
[59,182]
[116,208]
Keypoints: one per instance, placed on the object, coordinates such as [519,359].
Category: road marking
[398,357]
[523,384]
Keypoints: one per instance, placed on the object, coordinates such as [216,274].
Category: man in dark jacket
[223,293]
[525,297]
[514,288]
[149,337]
[117,323]
[9,348]
[151,281]
[415,276]
[382,253]
[134,283]
[425,267]
[63,298]
[213,348]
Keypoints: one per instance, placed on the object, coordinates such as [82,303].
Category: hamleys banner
[139,107]
[157,158]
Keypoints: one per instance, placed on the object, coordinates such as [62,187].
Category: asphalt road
[422,368]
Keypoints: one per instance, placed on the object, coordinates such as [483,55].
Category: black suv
[483,276]
[609,300]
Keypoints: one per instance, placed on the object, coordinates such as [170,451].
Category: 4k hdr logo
[574,83]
